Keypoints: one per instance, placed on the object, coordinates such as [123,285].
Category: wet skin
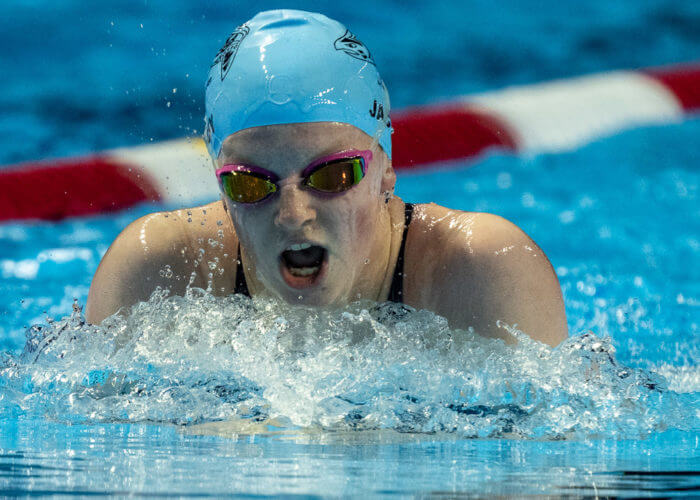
[477,270]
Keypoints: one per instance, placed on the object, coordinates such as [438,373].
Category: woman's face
[303,246]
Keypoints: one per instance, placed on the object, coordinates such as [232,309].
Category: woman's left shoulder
[463,230]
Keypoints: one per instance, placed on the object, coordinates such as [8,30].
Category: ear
[388,178]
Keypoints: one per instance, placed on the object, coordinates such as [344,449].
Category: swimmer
[297,125]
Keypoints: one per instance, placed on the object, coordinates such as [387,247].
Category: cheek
[352,220]
[250,224]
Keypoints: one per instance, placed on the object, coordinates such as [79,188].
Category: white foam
[197,359]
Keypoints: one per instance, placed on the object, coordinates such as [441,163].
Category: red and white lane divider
[550,117]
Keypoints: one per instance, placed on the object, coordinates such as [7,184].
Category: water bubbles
[604,232]
[166,272]
[471,187]
[527,200]
[504,180]
[586,288]
[567,216]
[201,358]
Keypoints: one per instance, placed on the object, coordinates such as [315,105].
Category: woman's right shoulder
[165,249]
[175,230]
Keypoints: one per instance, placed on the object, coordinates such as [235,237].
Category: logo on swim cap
[208,128]
[352,46]
[227,53]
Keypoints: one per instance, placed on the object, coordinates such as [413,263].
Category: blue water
[142,407]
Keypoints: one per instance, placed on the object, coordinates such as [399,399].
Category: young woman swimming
[297,124]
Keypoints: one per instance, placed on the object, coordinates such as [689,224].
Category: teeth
[303,271]
[300,246]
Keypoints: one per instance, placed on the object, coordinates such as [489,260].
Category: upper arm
[505,279]
[135,264]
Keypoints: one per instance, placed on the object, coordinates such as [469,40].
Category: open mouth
[302,264]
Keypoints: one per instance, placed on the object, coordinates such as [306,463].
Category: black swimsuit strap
[241,285]
[396,290]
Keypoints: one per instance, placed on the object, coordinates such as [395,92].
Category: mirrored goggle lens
[337,176]
[244,187]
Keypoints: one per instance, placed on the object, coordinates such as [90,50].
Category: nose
[294,210]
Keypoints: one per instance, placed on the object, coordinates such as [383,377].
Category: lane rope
[544,118]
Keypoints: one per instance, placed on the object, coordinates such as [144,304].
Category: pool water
[220,397]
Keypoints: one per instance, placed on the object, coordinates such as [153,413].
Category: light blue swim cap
[291,66]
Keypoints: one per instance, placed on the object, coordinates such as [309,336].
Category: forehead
[288,147]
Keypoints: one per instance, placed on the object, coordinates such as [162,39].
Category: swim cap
[291,66]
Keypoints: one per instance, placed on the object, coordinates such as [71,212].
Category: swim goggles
[331,174]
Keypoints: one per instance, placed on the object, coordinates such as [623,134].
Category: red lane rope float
[72,187]
[442,133]
[683,81]
[548,117]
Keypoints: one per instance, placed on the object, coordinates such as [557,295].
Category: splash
[199,358]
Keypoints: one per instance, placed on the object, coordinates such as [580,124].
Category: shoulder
[464,238]
[482,268]
[163,232]
[163,249]
[468,239]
